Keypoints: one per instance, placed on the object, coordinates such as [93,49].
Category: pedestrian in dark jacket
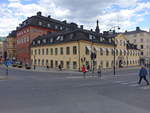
[142,74]
[99,72]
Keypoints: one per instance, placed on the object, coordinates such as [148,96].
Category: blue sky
[126,13]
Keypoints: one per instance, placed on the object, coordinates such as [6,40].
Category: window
[39,41]
[56,63]
[107,52]
[62,64]
[51,65]
[51,51]
[51,40]
[44,40]
[141,46]
[35,52]
[87,52]
[141,53]
[61,51]
[68,65]
[67,50]
[74,65]
[47,62]
[40,23]
[101,51]
[56,51]
[74,50]
[38,61]
[42,62]
[49,25]
[56,27]
[42,51]
[39,51]
[61,28]
[46,51]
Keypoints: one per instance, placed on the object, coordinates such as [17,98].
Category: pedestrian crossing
[133,84]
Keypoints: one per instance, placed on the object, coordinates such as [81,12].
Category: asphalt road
[62,92]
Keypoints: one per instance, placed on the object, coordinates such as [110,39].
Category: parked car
[27,66]
[14,64]
[19,64]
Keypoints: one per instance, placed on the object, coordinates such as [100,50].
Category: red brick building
[33,27]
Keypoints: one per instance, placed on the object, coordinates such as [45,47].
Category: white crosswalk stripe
[132,84]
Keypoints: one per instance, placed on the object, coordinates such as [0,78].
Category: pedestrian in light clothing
[99,71]
[84,71]
[142,74]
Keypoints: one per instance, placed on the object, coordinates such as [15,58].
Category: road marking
[145,87]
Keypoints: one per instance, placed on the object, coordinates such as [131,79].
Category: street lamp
[113,29]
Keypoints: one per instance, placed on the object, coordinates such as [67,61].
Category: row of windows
[49,26]
[22,32]
[23,40]
[108,52]
[54,63]
[55,51]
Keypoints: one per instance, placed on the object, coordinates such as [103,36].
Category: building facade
[33,27]
[142,39]
[3,49]
[11,45]
[82,47]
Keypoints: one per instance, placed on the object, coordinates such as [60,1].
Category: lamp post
[113,29]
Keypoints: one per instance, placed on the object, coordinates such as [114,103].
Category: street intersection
[68,92]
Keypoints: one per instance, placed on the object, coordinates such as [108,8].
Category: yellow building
[11,45]
[72,49]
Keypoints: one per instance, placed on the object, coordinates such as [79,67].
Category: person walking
[60,68]
[142,74]
[99,71]
[84,71]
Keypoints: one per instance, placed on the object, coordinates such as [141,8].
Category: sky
[128,14]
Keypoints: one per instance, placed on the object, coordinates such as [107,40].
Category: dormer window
[33,42]
[90,37]
[44,40]
[71,36]
[61,38]
[39,41]
[58,38]
[40,23]
[101,39]
[51,40]
[56,27]
[61,27]
[49,25]
[109,40]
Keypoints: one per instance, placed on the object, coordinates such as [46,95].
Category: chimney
[137,28]
[91,30]
[64,21]
[49,16]
[39,13]
[81,26]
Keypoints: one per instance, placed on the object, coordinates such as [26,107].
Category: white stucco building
[142,39]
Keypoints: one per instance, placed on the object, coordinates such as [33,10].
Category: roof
[75,35]
[138,30]
[34,21]
[12,34]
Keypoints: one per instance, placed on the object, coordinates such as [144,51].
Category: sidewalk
[43,69]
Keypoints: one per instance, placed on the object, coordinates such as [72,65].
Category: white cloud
[84,12]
